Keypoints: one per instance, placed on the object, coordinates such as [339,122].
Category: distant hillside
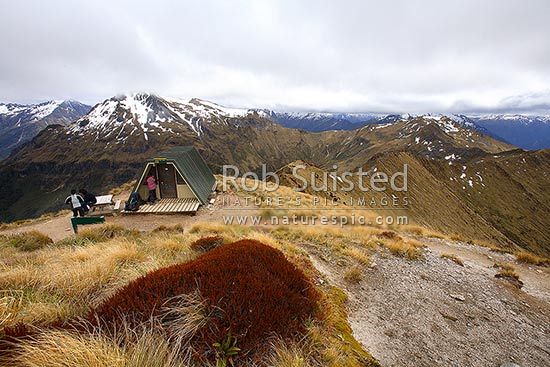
[21,123]
[498,198]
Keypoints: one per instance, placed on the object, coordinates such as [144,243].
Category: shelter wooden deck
[170,206]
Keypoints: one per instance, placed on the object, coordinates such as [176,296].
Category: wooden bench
[75,221]
[103,202]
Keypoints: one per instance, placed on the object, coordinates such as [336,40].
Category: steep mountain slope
[528,132]
[20,123]
[107,147]
[501,199]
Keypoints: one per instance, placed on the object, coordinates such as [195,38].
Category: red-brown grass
[252,291]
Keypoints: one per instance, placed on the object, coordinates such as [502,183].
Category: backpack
[134,202]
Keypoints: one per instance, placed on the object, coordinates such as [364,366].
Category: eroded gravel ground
[406,313]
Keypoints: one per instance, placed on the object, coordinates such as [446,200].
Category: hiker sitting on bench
[75,200]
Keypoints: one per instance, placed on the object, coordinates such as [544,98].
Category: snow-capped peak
[202,106]
[524,119]
[143,112]
[32,112]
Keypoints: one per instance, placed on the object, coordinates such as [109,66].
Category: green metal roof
[193,168]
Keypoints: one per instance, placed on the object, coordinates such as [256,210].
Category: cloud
[399,56]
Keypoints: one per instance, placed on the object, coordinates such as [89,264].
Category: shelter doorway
[167,181]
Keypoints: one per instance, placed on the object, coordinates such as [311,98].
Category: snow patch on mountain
[224,111]
[142,113]
[137,106]
[42,110]
[33,112]
[525,119]
[100,114]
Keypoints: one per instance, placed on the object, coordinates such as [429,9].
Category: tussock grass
[230,233]
[453,258]
[390,235]
[505,266]
[178,228]
[334,344]
[293,252]
[128,347]
[65,280]
[183,318]
[326,234]
[527,258]
[506,273]
[95,234]
[457,237]
[284,354]
[353,274]
[490,246]
[26,241]
[11,303]
[66,349]
[357,254]
[146,348]
[411,250]
[422,231]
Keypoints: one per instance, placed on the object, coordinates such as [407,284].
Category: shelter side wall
[185,192]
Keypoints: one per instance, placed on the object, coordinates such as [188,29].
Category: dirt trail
[59,227]
[434,312]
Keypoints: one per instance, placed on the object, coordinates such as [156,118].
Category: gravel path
[433,312]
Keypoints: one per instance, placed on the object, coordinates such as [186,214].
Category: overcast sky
[368,56]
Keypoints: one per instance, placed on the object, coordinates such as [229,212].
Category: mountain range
[528,132]
[20,123]
[462,180]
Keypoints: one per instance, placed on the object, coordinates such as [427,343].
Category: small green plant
[226,350]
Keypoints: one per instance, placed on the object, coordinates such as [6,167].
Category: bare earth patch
[433,312]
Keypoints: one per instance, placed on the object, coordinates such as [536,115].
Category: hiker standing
[89,199]
[75,200]
[152,185]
